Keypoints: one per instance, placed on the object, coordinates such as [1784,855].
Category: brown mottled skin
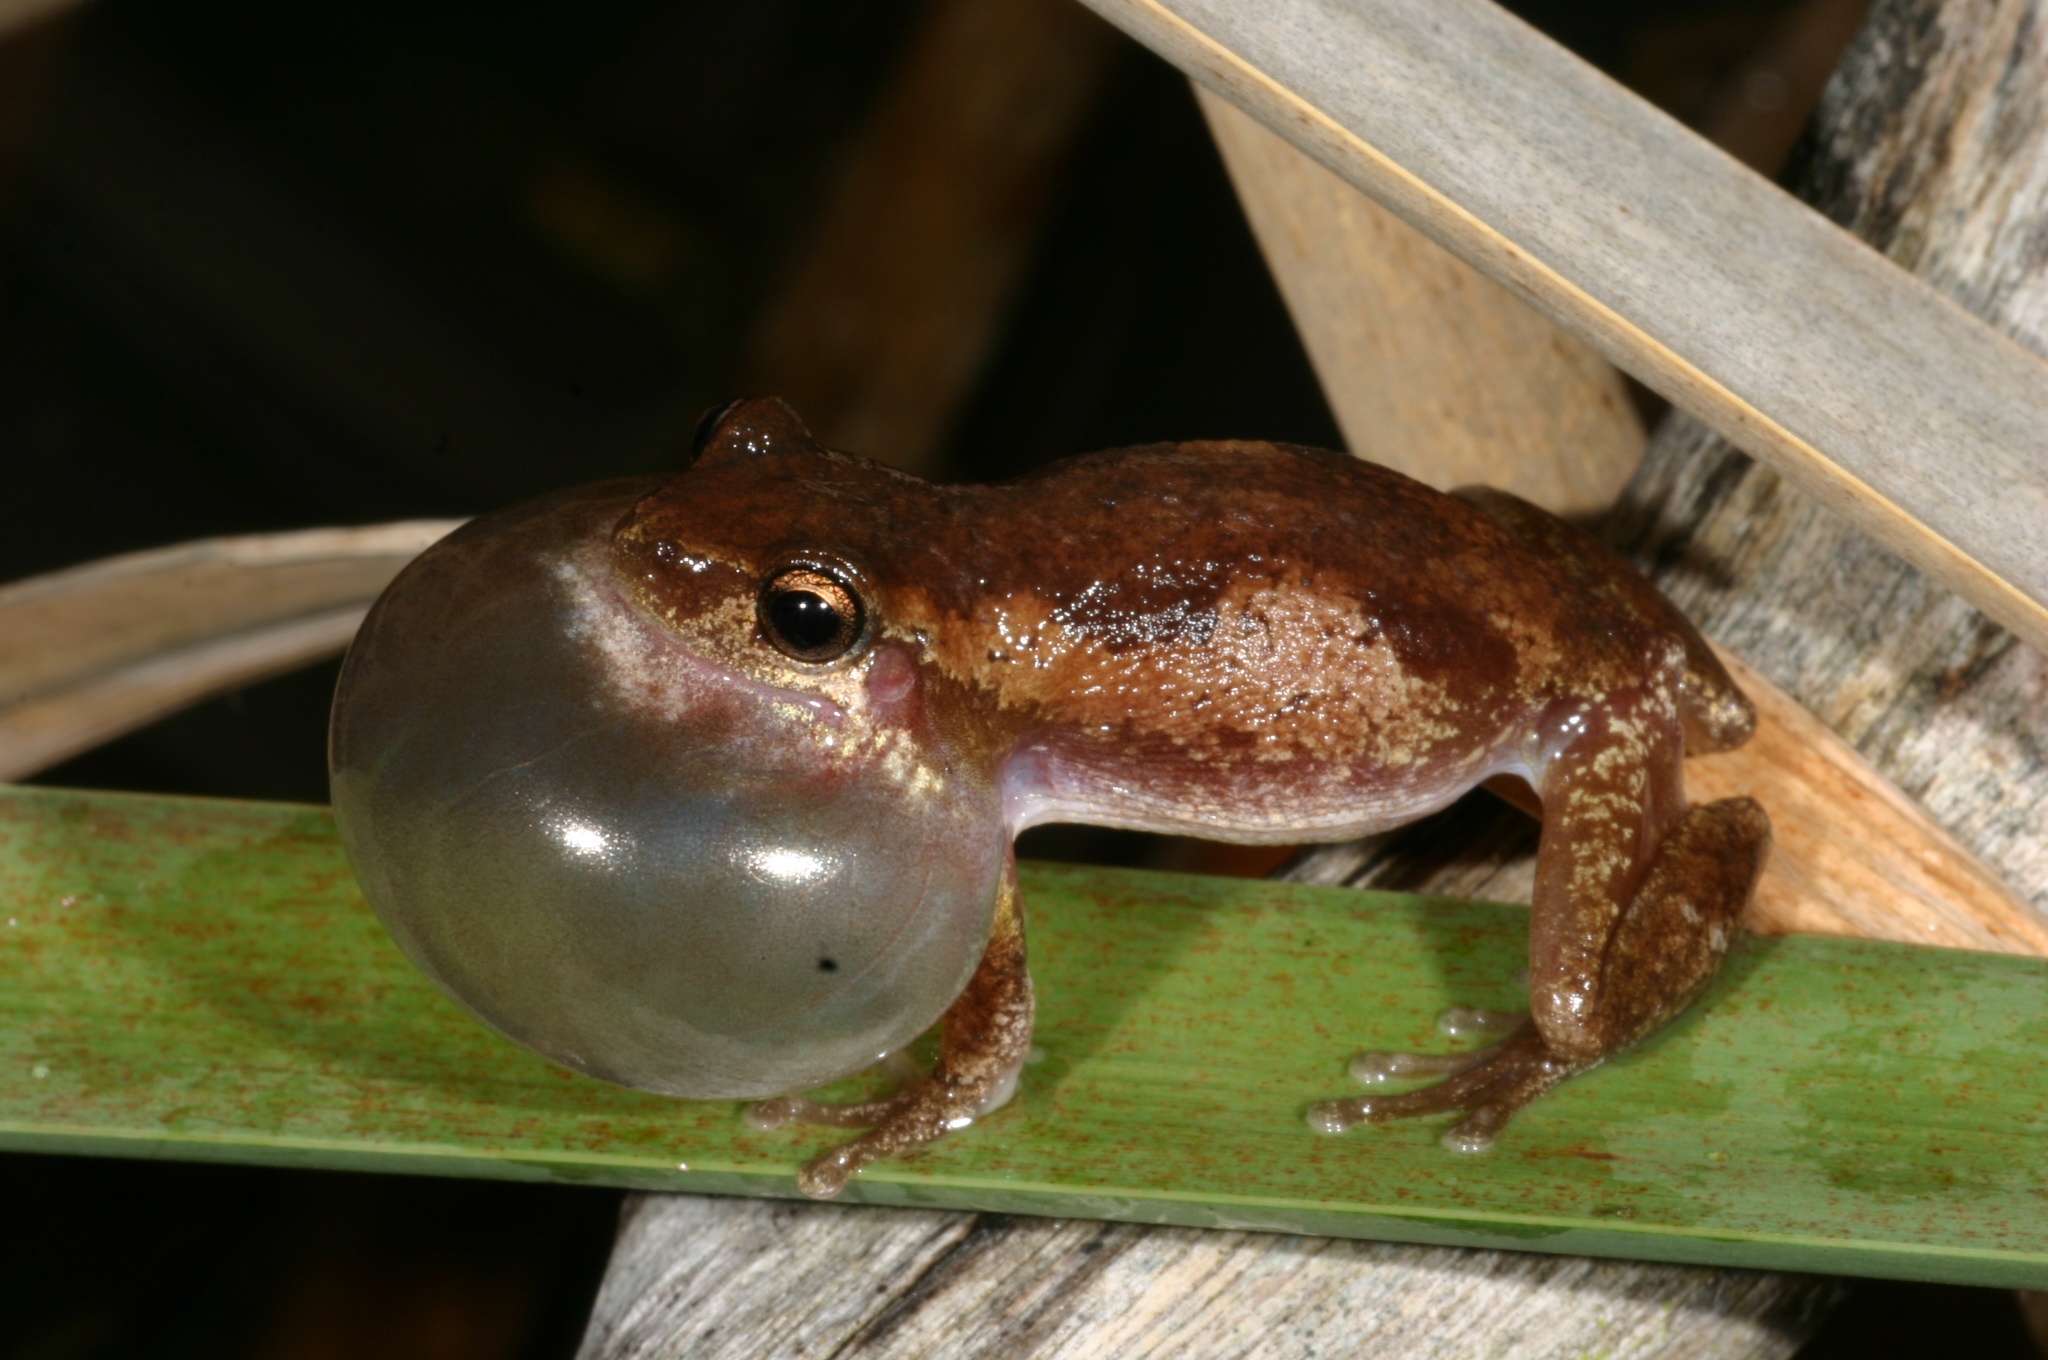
[1253,642]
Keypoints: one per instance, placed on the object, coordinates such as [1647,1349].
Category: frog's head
[643,775]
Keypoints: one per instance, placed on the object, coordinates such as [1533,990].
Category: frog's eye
[810,615]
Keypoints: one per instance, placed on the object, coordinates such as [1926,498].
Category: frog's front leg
[984,1038]
[1637,899]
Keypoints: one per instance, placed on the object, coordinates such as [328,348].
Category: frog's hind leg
[1633,914]
[985,1037]
[1717,716]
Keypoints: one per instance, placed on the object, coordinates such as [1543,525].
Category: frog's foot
[923,1114]
[986,1038]
[1487,1086]
[1657,947]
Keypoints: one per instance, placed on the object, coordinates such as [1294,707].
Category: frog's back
[1269,635]
[1155,549]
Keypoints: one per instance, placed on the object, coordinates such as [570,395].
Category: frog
[709,784]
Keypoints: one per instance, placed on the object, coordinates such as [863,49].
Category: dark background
[268,266]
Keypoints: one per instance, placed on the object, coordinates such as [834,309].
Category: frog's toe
[1378,1069]
[1487,1086]
[1462,1022]
[1474,1133]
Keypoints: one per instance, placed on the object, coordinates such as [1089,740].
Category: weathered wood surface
[38,733]
[1429,366]
[68,625]
[94,651]
[1893,406]
[890,311]
[1932,141]
[707,1278]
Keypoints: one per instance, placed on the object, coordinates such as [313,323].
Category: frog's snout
[609,855]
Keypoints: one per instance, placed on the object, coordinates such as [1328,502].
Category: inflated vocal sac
[633,861]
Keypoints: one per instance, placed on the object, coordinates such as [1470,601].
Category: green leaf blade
[197,979]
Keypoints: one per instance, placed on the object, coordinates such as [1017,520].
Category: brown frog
[707,785]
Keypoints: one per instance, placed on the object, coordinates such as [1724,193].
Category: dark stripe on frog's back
[1428,573]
